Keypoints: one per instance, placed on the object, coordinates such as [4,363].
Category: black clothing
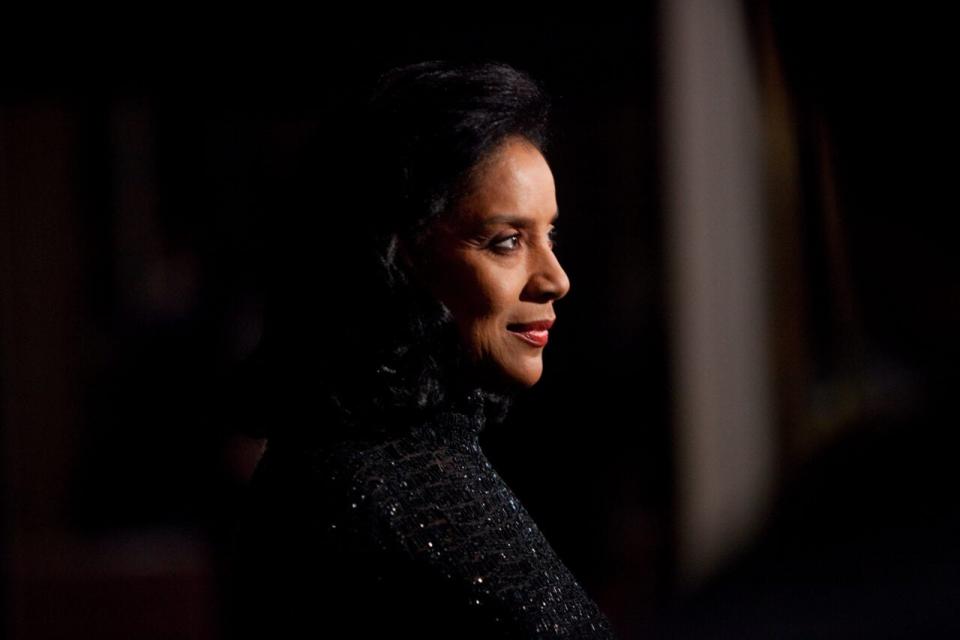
[409,534]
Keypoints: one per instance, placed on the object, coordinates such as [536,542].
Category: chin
[526,378]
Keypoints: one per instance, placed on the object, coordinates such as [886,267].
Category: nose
[548,281]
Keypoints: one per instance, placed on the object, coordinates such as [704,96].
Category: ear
[414,256]
[410,258]
[405,255]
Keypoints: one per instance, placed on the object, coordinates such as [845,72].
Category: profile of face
[491,261]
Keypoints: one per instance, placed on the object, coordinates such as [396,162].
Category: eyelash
[504,250]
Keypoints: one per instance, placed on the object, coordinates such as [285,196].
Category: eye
[507,244]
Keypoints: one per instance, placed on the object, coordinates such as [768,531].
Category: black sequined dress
[410,534]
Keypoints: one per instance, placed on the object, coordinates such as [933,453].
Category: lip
[536,333]
[538,325]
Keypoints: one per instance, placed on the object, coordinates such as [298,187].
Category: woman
[374,510]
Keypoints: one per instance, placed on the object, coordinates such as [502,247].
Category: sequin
[481,540]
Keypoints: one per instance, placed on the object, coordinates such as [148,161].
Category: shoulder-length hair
[349,333]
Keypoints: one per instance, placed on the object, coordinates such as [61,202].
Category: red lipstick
[534,333]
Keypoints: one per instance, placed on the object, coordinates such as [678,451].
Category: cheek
[479,291]
[491,295]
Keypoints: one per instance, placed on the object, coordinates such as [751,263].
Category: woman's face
[491,262]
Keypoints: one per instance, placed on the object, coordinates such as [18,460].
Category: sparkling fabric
[411,534]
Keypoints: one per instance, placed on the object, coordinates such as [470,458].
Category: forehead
[515,181]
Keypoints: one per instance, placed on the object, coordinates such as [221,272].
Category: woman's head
[394,299]
[490,260]
[432,125]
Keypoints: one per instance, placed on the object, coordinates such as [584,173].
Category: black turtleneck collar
[466,413]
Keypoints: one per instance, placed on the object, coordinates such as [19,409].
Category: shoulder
[337,545]
[419,531]
[362,495]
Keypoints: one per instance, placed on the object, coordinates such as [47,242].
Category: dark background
[135,179]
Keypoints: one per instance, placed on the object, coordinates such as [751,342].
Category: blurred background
[743,429]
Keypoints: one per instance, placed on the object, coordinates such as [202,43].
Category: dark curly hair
[348,330]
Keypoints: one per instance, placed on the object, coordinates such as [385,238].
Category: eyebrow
[516,220]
